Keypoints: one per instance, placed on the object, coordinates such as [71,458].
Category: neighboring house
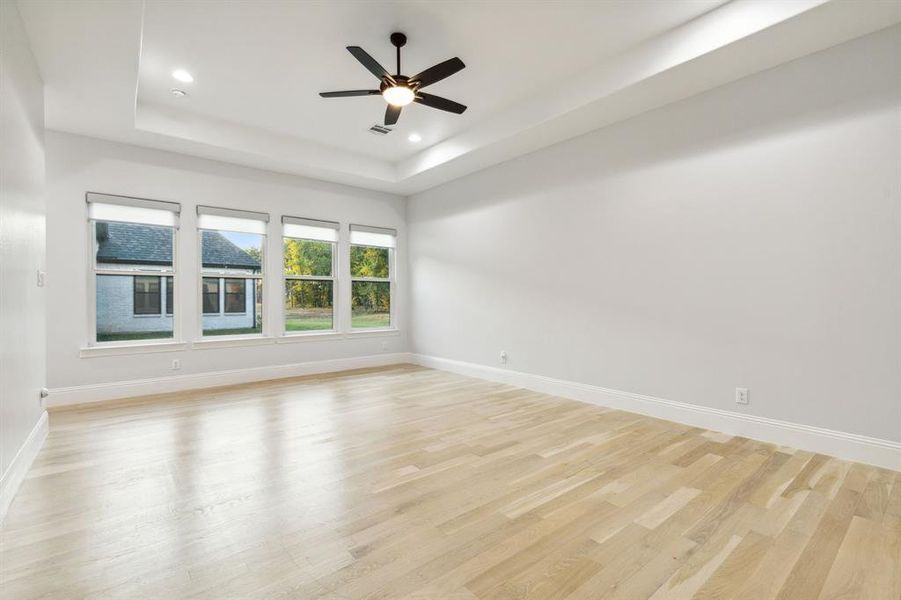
[145,303]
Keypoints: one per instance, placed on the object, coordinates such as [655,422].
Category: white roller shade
[227,219]
[310,229]
[381,237]
[122,209]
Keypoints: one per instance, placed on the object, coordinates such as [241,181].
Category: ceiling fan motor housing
[399,80]
[398,39]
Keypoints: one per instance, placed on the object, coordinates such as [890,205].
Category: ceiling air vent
[379,129]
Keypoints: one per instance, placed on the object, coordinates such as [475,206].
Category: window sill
[114,349]
[232,342]
[388,331]
[290,338]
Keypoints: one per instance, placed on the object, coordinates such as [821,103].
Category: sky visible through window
[243,240]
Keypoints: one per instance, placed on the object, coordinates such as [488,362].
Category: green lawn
[133,335]
[236,331]
[319,323]
[308,324]
[361,321]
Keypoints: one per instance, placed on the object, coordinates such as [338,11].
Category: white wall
[77,164]
[22,345]
[746,237]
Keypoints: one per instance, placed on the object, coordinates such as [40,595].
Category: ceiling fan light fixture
[398,95]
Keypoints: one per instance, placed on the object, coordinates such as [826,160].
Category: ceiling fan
[399,90]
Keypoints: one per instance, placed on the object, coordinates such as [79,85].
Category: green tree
[255,253]
[311,258]
[370,296]
[366,261]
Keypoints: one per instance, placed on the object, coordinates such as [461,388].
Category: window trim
[392,289]
[286,277]
[92,272]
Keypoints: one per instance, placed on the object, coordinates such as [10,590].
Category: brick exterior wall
[232,320]
[115,308]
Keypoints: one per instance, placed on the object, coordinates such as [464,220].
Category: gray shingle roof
[128,243]
[219,252]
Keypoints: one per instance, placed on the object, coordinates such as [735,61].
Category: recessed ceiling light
[414,137]
[178,93]
[182,75]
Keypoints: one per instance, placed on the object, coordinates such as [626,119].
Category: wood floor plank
[862,568]
[406,482]
[812,567]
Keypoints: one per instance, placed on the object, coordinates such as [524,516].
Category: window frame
[392,322]
[93,271]
[286,277]
[258,278]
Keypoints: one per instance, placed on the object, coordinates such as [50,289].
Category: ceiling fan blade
[439,103]
[370,63]
[439,72]
[349,93]
[392,114]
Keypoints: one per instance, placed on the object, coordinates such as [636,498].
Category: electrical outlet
[42,278]
[176,364]
[384,345]
[741,395]
[503,357]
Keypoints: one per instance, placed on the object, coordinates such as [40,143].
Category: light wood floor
[412,483]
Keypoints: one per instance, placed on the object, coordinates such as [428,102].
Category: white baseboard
[18,468]
[874,451]
[883,453]
[98,392]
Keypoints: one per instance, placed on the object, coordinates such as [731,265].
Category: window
[235,296]
[309,271]
[133,248]
[170,296]
[371,272]
[210,296]
[232,245]
[147,295]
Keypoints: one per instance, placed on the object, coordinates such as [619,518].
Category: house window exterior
[170,296]
[235,296]
[147,295]
[211,295]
